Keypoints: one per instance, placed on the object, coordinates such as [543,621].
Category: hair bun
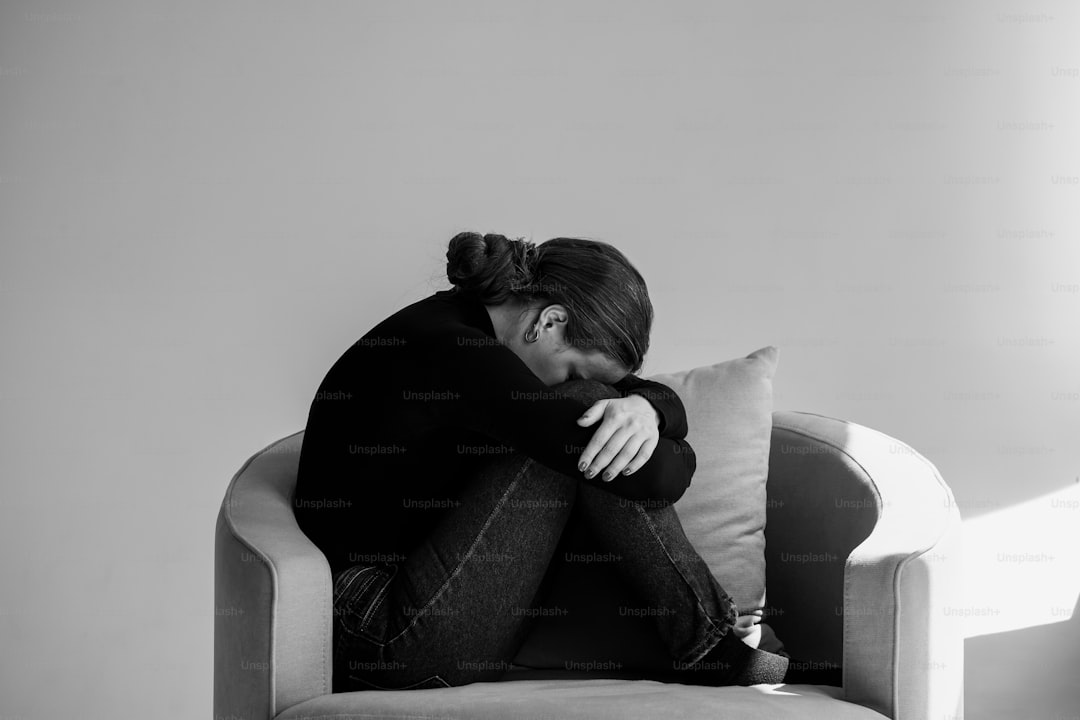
[490,267]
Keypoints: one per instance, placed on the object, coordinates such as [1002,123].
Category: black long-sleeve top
[405,412]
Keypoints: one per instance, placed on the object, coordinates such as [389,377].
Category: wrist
[652,412]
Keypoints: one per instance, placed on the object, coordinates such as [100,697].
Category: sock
[809,672]
[733,662]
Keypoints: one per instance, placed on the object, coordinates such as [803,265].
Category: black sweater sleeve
[482,385]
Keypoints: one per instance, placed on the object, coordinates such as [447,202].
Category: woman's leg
[657,562]
[452,613]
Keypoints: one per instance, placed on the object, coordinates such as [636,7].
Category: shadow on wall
[1028,673]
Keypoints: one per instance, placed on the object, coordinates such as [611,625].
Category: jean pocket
[428,683]
[359,592]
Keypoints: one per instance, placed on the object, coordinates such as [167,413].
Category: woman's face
[552,360]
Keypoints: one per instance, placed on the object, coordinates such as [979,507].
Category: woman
[445,450]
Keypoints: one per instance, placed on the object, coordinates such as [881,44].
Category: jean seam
[712,638]
[713,627]
[362,628]
[368,582]
[379,597]
[476,541]
[339,590]
[353,581]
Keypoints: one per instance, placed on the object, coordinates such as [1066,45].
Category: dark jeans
[452,613]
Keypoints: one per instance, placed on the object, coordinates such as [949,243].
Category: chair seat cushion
[595,699]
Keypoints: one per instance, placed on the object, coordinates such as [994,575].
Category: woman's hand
[625,439]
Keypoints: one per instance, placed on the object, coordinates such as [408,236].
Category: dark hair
[604,295]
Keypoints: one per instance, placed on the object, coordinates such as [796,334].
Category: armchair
[862,551]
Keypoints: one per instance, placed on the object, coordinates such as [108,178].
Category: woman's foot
[809,672]
[733,662]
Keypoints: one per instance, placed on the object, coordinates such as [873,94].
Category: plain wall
[203,204]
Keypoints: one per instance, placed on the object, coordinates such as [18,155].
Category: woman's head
[570,307]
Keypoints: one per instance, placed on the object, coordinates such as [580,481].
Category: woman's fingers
[597,442]
[624,440]
[644,452]
[608,452]
[624,455]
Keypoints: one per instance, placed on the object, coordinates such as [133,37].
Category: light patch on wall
[1022,564]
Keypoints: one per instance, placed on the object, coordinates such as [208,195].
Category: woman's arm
[487,388]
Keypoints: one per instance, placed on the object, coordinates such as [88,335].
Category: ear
[553,316]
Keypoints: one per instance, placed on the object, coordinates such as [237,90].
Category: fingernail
[607,475]
[582,465]
[590,473]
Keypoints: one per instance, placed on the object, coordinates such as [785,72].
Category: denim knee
[586,390]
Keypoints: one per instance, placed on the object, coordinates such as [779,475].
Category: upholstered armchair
[862,563]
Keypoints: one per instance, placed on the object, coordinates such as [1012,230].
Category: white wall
[203,204]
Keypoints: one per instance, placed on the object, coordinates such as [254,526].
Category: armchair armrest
[272,594]
[863,556]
